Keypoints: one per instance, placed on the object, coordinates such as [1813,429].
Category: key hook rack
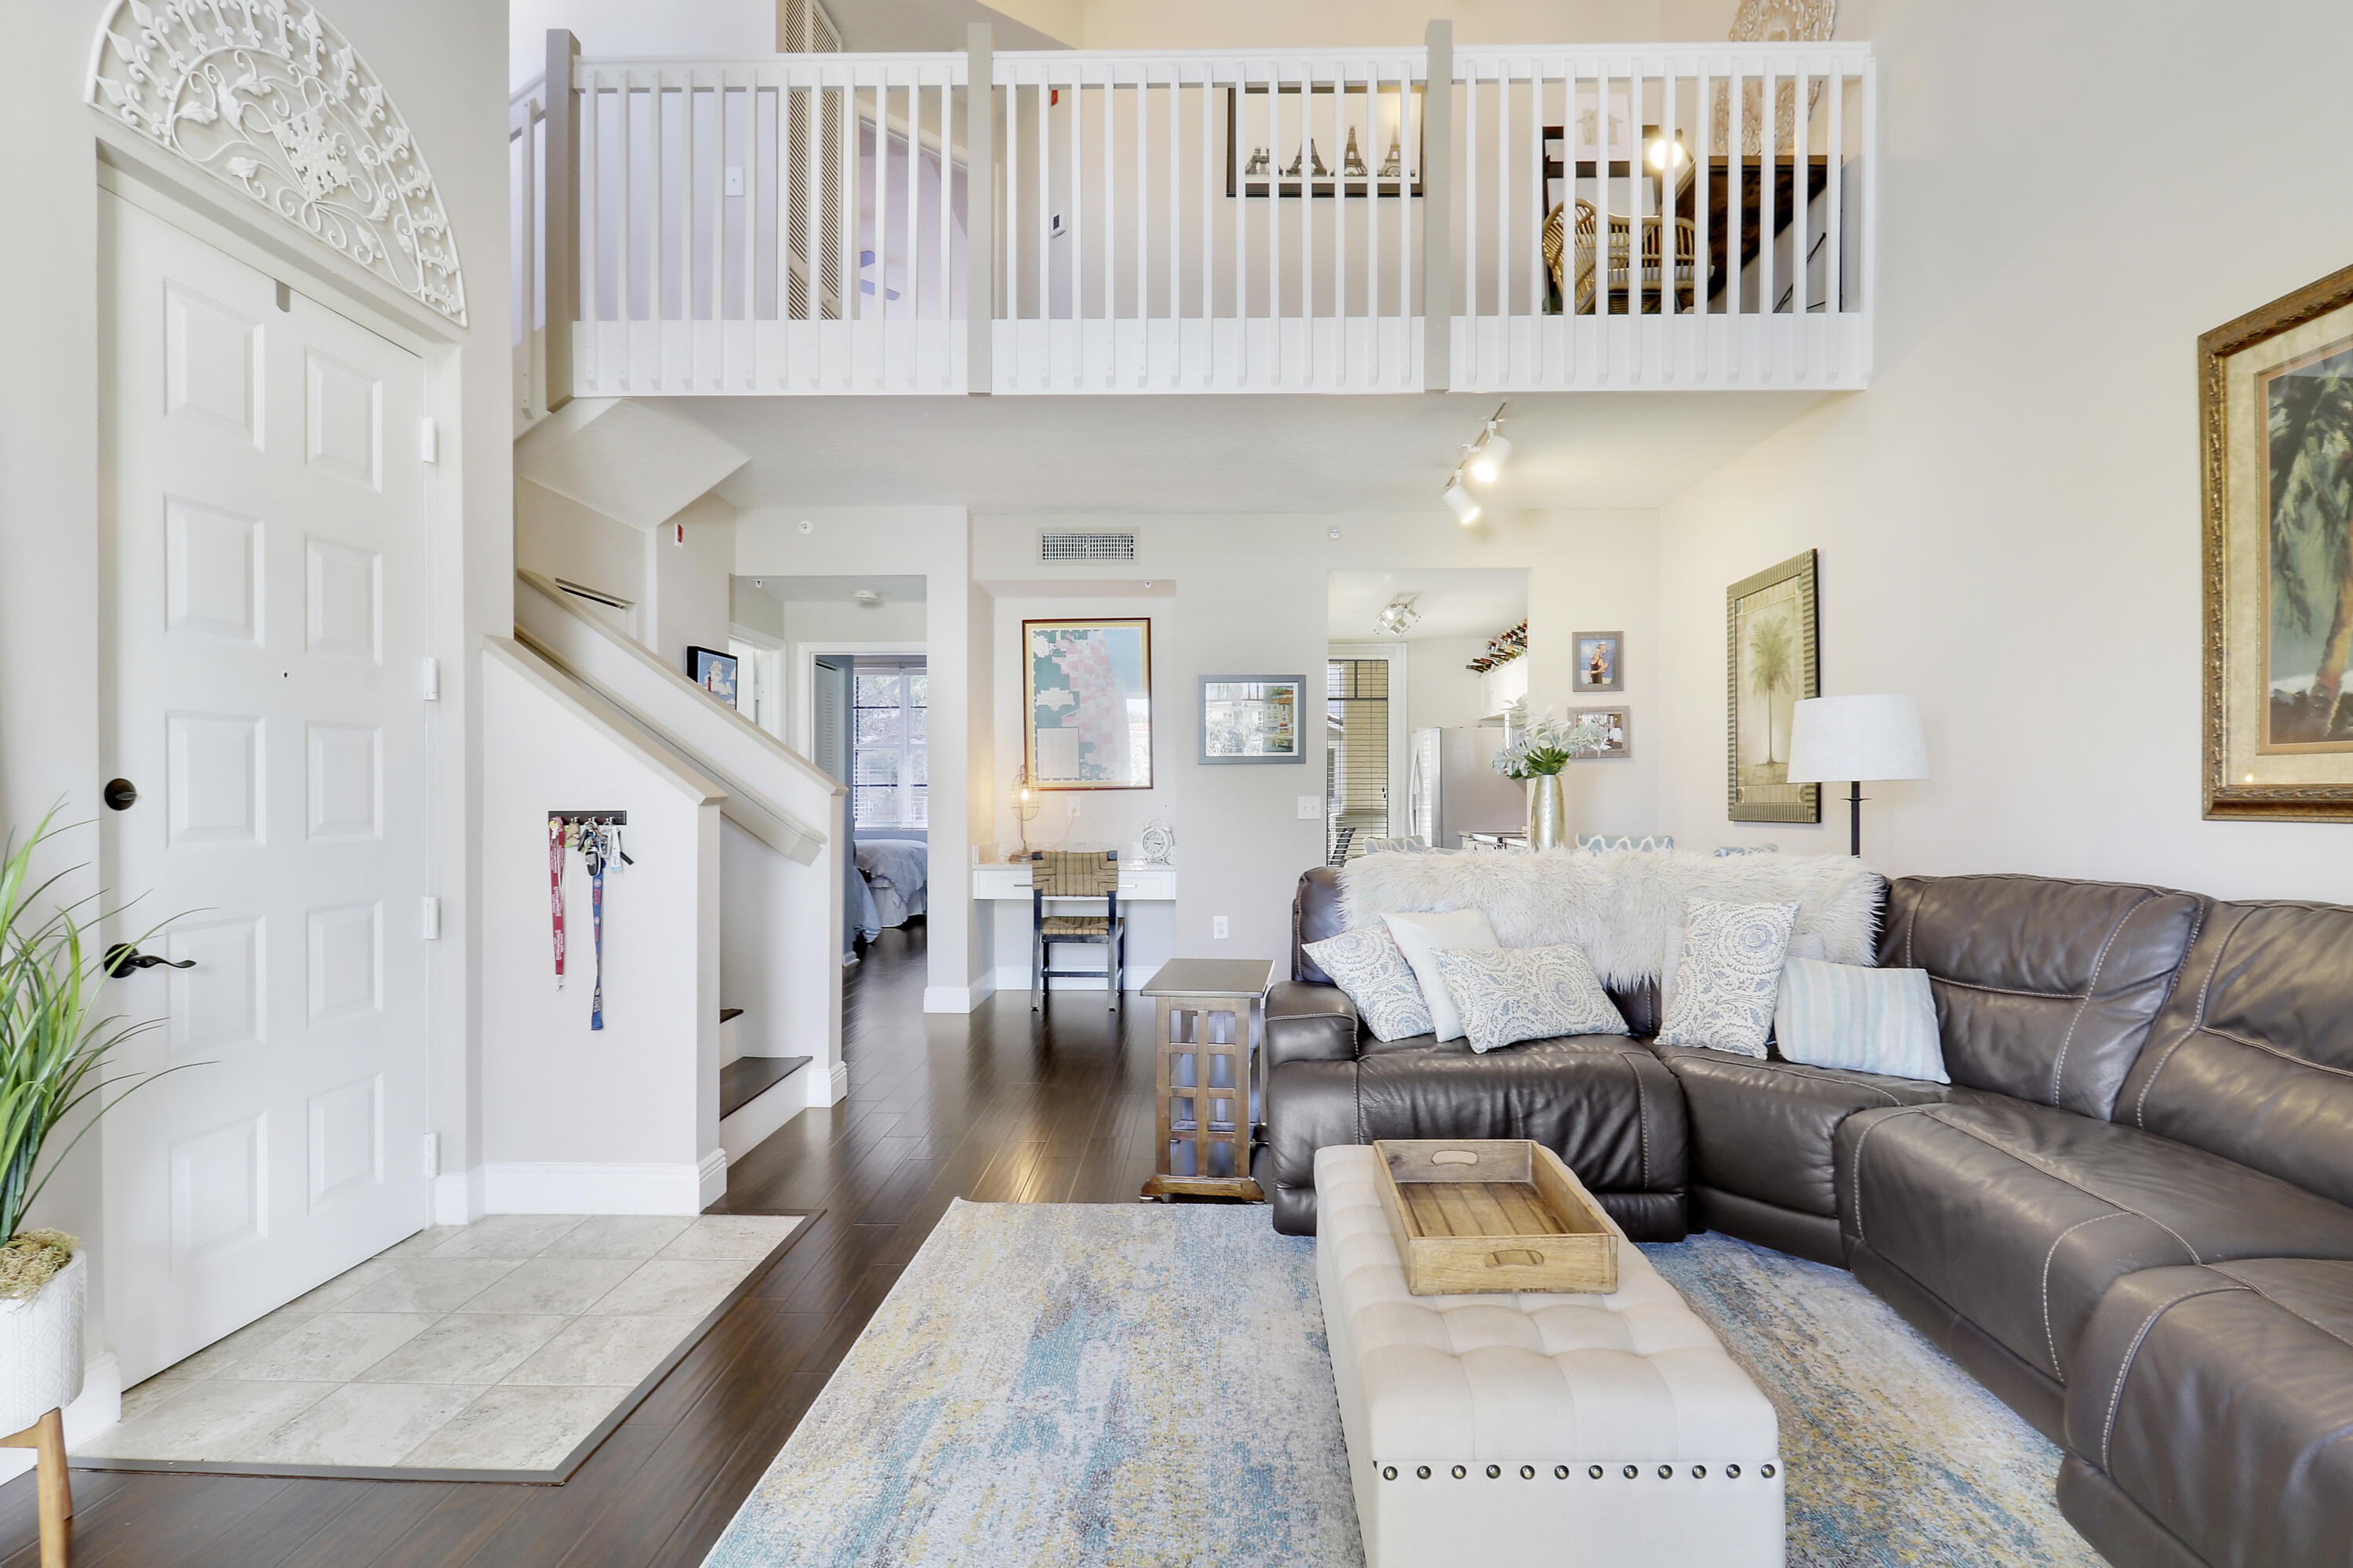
[607,818]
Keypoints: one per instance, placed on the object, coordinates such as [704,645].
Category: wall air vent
[1067,545]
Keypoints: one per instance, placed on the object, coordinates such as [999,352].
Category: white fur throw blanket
[1619,906]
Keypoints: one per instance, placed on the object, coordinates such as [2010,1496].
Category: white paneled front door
[263,561]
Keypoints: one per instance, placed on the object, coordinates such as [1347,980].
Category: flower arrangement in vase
[1536,753]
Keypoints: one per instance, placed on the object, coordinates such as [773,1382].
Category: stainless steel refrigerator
[1453,788]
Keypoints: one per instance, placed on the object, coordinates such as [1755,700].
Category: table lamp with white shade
[1856,738]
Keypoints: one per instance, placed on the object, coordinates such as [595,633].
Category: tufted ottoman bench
[1610,1431]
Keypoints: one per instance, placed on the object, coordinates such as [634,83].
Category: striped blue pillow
[1869,1020]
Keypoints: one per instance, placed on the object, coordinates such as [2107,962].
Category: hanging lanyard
[556,833]
[594,854]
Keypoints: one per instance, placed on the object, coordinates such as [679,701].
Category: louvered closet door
[263,556]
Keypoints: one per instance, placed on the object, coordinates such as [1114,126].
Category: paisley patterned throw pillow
[1729,975]
[1510,994]
[1368,964]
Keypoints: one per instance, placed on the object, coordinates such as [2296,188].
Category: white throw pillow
[1873,1020]
[1802,945]
[1421,935]
[1729,976]
[1368,964]
[1509,994]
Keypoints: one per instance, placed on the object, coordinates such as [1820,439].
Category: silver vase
[1547,812]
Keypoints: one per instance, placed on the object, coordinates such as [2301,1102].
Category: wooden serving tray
[1488,1215]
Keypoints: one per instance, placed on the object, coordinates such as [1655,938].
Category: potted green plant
[1536,753]
[53,1049]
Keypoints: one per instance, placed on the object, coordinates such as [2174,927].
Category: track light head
[1487,459]
[1461,501]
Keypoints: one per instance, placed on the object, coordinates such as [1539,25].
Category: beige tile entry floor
[494,1346]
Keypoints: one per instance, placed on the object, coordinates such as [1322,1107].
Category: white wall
[1245,595]
[561,538]
[579,1120]
[441,61]
[1440,687]
[709,29]
[688,601]
[2008,519]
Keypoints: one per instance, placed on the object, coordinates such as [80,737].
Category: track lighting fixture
[1481,462]
[1397,617]
[1461,501]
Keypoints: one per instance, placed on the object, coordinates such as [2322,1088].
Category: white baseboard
[458,1197]
[100,1407]
[838,1083]
[527,1188]
[961,997]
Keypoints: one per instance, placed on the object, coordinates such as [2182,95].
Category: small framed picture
[1252,719]
[1598,661]
[1621,741]
[713,671]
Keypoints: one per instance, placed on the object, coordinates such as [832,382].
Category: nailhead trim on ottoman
[1674,1453]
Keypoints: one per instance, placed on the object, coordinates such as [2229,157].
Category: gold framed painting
[1087,691]
[2276,417]
[1770,662]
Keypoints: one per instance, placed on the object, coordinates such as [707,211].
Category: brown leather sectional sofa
[2130,1215]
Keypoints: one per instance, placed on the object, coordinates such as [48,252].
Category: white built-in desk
[1008,883]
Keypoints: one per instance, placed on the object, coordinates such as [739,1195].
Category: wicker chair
[1075,874]
[1581,288]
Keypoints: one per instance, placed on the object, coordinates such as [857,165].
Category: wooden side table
[1212,1017]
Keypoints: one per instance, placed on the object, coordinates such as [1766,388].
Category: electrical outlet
[1311,807]
[1216,928]
[736,179]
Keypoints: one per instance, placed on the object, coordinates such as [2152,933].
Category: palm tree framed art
[1770,662]
[2276,417]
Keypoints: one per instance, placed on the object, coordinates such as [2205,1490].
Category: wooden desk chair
[1646,289]
[1075,874]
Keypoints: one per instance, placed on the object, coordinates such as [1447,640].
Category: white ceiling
[1237,453]
[1464,601]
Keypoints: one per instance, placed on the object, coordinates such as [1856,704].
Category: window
[887,768]
[1356,750]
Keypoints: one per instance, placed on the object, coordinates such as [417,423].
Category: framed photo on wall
[2276,414]
[713,671]
[1252,719]
[1770,661]
[1086,688]
[1597,661]
[1326,142]
[1620,742]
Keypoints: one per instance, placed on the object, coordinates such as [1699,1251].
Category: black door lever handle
[122,958]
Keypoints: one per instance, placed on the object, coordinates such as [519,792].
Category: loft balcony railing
[1331,221]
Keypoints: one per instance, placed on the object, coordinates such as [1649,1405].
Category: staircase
[782,826]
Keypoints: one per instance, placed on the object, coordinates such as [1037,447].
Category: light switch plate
[1311,807]
[1216,928]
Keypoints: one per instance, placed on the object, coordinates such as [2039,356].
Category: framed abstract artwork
[1252,719]
[1770,661]
[1086,688]
[2275,419]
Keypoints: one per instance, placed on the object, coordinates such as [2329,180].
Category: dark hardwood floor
[994,1108]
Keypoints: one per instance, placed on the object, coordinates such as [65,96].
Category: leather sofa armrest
[1306,1023]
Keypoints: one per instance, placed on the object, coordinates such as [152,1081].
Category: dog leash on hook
[558,830]
[596,854]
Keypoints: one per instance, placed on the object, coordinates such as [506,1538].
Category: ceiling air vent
[1062,545]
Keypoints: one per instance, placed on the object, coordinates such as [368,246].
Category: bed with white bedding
[893,876]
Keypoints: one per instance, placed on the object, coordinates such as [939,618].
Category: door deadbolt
[121,794]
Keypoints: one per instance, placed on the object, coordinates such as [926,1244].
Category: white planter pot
[40,1348]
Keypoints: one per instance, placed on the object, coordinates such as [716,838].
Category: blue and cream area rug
[1076,1384]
